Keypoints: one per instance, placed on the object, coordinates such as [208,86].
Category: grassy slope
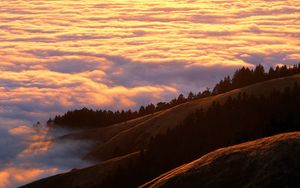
[266,162]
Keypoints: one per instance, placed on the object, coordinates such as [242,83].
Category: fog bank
[29,153]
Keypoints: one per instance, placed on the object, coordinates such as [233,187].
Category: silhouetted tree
[191,96]
[142,110]
[259,74]
[180,99]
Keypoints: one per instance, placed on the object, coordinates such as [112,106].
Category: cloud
[36,95]
[13,176]
[82,36]
[73,66]
[130,73]
[33,154]
[15,146]
[269,60]
[21,130]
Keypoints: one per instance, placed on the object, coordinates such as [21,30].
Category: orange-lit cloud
[24,143]
[59,55]
[14,176]
[30,153]
[21,130]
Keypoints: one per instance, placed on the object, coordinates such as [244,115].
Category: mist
[29,153]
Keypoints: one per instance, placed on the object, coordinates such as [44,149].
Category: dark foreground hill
[268,162]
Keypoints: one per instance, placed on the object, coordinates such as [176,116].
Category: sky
[58,55]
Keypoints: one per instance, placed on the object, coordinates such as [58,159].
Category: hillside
[168,137]
[131,136]
[267,162]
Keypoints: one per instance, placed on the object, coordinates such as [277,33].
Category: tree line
[87,118]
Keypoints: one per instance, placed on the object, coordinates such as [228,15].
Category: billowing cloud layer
[58,55]
[29,153]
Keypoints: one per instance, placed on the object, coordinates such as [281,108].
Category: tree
[272,73]
[242,77]
[206,93]
[191,96]
[160,106]
[180,99]
[150,109]
[223,86]
[142,110]
[259,73]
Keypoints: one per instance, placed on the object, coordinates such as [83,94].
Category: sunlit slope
[268,162]
[87,177]
[130,137]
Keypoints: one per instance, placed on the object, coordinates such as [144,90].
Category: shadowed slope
[267,162]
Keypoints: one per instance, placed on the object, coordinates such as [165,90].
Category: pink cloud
[14,176]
